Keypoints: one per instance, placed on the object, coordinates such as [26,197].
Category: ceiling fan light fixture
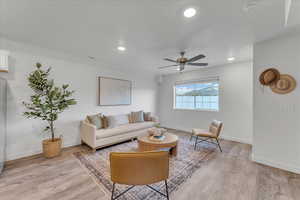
[121,48]
[230,59]
[189,12]
[182,61]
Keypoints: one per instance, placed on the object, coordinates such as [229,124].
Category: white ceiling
[150,29]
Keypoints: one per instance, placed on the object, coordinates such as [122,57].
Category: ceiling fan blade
[198,64]
[168,59]
[196,58]
[167,66]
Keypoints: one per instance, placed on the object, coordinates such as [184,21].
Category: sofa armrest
[88,133]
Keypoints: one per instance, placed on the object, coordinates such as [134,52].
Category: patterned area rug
[181,168]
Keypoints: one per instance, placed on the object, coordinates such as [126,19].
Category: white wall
[235,102]
[24,136]
[276,117]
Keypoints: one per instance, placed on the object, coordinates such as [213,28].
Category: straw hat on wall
[284,85]
[269,76]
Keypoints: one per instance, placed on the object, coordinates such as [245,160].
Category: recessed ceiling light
[121,48]
[231,58]
[190,12]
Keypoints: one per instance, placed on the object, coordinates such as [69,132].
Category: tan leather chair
[139,168]
[211,134]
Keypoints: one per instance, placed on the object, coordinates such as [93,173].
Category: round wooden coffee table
[170,141]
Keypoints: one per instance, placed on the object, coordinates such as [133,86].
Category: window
[197,95]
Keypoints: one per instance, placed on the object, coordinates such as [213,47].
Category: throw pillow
[129,118]
[117,120]
[104,122]
[147,116]
[137,116]
[95,120]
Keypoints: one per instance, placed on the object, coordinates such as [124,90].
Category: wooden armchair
[142,168]
[211,134]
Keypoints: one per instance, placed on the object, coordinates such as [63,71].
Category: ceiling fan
[182,61]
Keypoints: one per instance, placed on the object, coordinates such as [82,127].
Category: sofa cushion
[137,116]
[117,120]
[104,133]
[96,120]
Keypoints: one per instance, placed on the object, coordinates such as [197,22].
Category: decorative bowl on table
[156,134]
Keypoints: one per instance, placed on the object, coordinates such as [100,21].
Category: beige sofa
[97,138]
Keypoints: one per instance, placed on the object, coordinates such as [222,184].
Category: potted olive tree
[47,102]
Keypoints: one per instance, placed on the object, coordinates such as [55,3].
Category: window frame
[210,80]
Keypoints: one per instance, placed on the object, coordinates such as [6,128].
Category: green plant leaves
[48,100]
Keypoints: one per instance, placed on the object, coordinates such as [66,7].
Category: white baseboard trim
[22,154]
[32,152]
[235,139]
[222,136]
[276,164]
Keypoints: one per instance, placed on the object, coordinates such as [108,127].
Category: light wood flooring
[225,176]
